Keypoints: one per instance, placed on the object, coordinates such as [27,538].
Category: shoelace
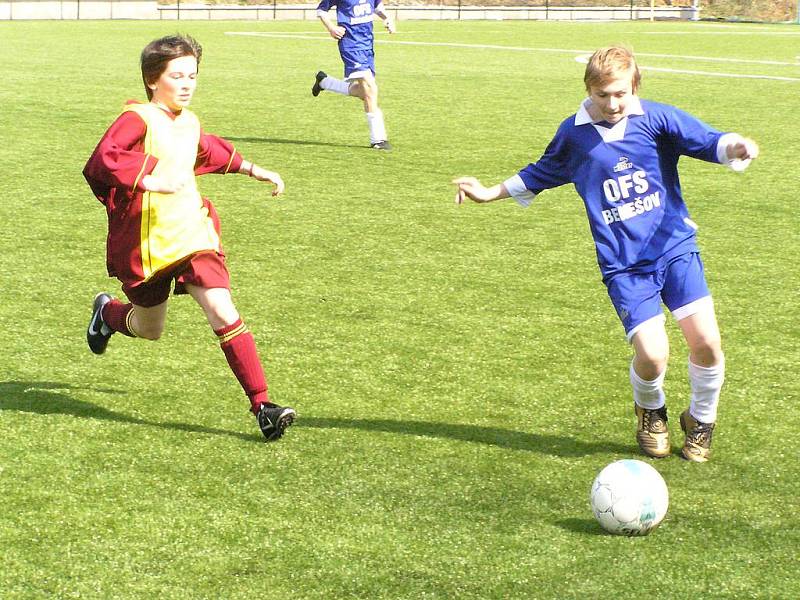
[701,435]
[650,415]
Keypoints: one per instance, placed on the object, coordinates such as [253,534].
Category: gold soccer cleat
[697,445]
[652,433]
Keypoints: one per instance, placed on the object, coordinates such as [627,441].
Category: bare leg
[217,304]
[702,336]
[647,372]
[706,363]
[148,321]
[651,345]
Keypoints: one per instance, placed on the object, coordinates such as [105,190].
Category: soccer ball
[629,497]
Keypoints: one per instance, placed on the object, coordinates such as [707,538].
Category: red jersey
[149,231]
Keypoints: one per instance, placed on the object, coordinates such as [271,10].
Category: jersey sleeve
[690,136]
[216,155]
[118,160]
[325,5]
[550,171]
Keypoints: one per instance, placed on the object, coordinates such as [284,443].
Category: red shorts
[204,269]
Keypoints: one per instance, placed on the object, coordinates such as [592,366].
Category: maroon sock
[240,349]
[116,315]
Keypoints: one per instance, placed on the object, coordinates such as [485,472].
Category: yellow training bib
[175,225]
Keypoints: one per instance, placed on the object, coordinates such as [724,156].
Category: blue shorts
[357,63]
[680,283]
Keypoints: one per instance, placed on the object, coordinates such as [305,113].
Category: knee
[368,89]
[222,318]
[649,365]
[221,315]
[707,352]
[650,359]
[357,89]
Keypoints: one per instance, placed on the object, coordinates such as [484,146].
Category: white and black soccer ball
[629,497]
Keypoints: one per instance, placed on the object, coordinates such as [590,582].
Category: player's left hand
[270,176]
[390,26]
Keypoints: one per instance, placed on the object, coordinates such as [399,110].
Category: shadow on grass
[46,398]
[583,526]
[257,140]
[52,398]
[491,436]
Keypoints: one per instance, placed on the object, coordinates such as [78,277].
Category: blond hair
[610,63]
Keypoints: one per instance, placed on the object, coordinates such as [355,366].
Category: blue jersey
[627,176]
[356,17]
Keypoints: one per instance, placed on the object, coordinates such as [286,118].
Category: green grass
[459,372]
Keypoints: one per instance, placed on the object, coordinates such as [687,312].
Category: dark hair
[158,53]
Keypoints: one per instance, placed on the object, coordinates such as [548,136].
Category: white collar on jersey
[609,134]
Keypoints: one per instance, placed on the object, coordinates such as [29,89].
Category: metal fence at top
[392,4]
[441,9]
[734,10]
[730,10]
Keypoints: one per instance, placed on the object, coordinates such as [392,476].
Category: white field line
[315,32]
[752,32]
[721,59]
[734,26]
[585,59]
[718,74]
[582,54]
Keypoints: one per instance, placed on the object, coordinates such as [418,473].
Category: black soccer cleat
[317,88]
[98,333]
[382,145]
[273,420]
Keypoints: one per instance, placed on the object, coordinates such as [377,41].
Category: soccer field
[459,373]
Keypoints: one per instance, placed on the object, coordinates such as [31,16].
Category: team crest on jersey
[623,164]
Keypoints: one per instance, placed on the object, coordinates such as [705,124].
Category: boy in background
[353,31]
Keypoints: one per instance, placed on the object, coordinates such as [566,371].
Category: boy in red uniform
[161,230]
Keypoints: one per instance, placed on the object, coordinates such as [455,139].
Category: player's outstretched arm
[256,172]
[470,187]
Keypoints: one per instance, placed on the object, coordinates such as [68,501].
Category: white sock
[377,130]
[648,394]
[706,383]
[335,85]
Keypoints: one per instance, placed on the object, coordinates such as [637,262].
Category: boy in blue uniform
[621,153]
[353,31]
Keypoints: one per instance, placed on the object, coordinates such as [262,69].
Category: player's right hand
[470,187]
[337,32]
[165,184]
[743,150]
